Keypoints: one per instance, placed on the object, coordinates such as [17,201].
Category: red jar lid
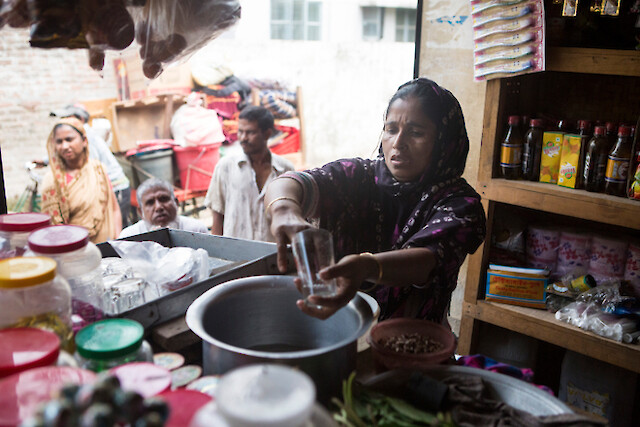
[23,393]
[144,378]
[23,221]
[58,239]
[183,405]
[26,348]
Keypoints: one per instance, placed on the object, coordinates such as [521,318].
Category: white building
[348,56]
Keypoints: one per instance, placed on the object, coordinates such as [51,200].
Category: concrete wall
[446,56]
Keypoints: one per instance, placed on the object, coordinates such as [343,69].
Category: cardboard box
[519,286]
[569,161]
[176,78]
[550,160]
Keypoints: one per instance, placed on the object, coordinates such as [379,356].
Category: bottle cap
[58,239]
[266,395]
[144,378]
[23,221]
[584,124]
[599,130]
[514,120]
[624,131]
[109,339]
[536,123]
[27,348]
[23,393]
[22,272]
[183,405]
[611,127]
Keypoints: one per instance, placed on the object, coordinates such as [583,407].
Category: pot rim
[194,319]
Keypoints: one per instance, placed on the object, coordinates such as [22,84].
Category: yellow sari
[85,199]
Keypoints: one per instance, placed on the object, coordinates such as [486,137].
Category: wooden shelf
[593,61]
[543,325]
[564,201]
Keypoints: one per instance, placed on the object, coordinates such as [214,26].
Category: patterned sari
[367,209]
[85,199]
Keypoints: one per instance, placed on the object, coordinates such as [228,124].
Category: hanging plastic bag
[169,30]
[192,124]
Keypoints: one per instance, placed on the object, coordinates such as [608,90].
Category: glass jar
[111,342]
[15,229]
[79,262]
[33,295]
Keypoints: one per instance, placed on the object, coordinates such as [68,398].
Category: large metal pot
[255,320]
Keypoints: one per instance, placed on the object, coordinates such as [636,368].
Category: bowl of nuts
[404,343]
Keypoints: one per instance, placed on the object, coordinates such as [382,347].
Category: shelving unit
[578,83]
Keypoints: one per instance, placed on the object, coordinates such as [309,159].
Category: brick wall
[32,83]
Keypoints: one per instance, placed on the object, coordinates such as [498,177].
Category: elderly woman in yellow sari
[76,189]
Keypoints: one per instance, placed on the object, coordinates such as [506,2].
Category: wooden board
[144,119]
[543,325]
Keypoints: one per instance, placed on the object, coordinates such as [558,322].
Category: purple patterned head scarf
[452,145]
[449,155]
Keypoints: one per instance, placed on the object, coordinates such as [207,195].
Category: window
[406,25]
[372,20]
[295,19]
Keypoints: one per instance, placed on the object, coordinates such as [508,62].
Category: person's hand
[285,223]
[349,273]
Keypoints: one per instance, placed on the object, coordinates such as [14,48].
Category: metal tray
[249,258]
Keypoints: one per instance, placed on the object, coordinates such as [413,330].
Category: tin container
[245,258]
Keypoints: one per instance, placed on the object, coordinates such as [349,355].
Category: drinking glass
[313,251]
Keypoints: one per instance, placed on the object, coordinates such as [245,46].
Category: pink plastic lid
[183,405]
[144,378]
[26,348]
[23,393]
[23,221]
[57,239]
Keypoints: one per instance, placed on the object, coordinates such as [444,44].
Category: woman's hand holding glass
[349,273]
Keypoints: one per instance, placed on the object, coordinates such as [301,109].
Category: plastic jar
[15,229]
[110,343]
[33,295]
[79,262]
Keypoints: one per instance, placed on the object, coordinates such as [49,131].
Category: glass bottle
[511,150]
[584,130]
[532,150]
[618,164]
[611,133]
[595,161]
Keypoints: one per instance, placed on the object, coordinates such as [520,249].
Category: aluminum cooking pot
[255,320]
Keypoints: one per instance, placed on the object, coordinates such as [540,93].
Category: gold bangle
[266,210]
[379,279]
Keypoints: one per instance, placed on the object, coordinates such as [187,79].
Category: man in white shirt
[236,191]
[158,208]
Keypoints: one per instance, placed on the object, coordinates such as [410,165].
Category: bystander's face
[252,139]
[70,146]
[159,207]
[407,140]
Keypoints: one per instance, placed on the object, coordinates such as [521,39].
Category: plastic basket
[196,164]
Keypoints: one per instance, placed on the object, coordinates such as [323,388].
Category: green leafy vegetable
[367,408]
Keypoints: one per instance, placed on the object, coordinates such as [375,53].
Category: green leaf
[411,411]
